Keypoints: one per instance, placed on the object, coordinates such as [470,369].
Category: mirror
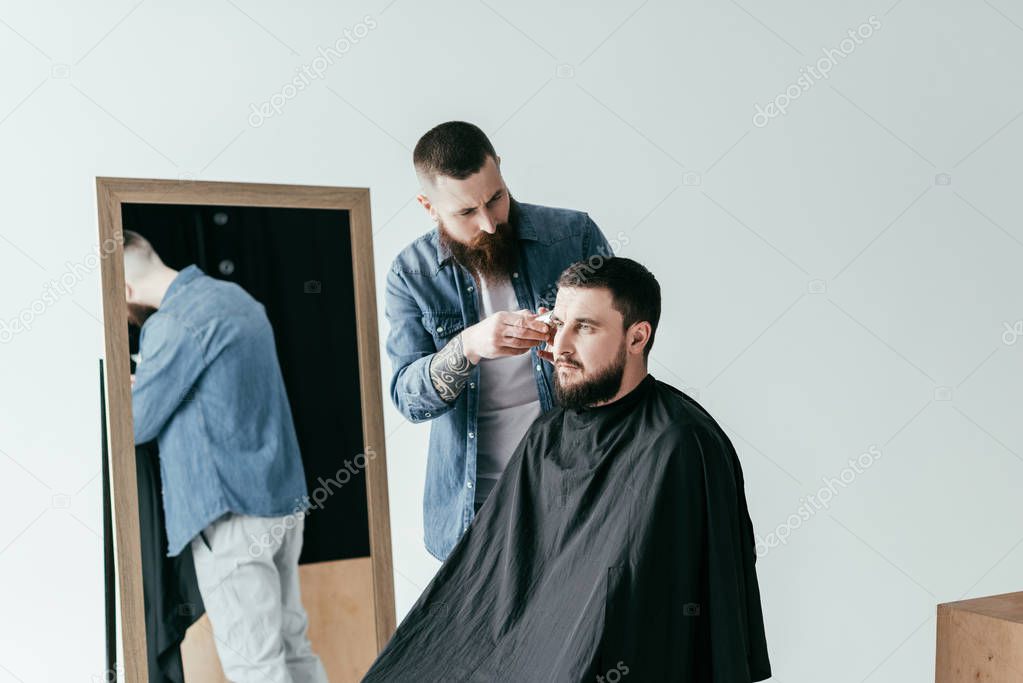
[261,489]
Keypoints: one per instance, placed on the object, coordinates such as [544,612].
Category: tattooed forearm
[450,369]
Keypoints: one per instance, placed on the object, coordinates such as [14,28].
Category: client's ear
[639,335]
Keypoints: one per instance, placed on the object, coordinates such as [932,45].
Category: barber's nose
[487,224]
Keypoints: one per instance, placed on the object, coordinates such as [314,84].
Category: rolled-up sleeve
[411,349]
[172,361]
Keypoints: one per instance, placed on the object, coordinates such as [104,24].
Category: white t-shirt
[509,400]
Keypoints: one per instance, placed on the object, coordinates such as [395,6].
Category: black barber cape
[617,546]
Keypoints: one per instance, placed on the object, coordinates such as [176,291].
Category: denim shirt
[430,298]
[209,388]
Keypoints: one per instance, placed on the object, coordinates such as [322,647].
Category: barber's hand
[505,333]
[133,380]
[546,353]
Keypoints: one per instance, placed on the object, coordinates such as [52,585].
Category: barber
[462,302]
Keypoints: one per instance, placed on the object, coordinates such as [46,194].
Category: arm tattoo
[450,369]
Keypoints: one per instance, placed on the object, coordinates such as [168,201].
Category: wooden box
[981,640]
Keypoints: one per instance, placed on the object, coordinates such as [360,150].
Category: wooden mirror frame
[111,194]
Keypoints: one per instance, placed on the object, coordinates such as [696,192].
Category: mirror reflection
[250,450]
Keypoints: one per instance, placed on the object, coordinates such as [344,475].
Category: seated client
[617,545]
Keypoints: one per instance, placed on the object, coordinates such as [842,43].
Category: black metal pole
[110,599]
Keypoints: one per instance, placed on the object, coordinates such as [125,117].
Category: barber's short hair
[635,292]
[137,244]
[455,149]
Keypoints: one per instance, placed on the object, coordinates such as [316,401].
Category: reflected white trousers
[248,579]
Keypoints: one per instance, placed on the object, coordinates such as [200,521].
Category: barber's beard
[602,386]
[139,313]
[491,255]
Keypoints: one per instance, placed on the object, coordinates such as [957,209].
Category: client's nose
[560,347]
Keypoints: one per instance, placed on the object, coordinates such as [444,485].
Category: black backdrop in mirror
[298,264]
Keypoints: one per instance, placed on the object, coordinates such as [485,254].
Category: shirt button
[468,484]
[427,414]
[440,328]
[472,434]
[515,274]
[472,385]
[469,288]
[538,368]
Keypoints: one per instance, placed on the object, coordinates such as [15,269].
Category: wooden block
[980,640]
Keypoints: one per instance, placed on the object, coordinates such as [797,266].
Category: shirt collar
[524,230]
[184,276]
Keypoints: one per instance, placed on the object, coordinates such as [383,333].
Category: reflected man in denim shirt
[209,389]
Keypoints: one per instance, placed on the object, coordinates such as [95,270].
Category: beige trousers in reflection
[248,579]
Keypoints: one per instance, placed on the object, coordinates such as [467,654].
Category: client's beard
[491,255]
[601,387]
[139,313]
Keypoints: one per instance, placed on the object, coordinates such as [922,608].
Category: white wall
[647,124]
